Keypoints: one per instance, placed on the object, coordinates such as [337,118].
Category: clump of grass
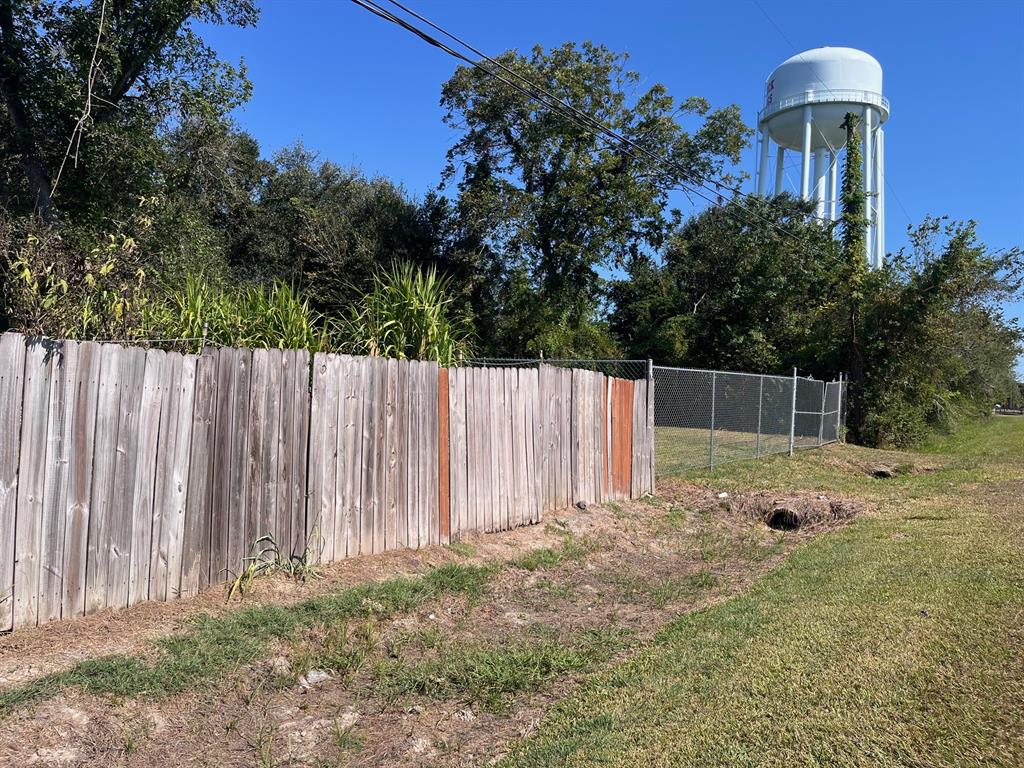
[492,674]
[214,646]
[573,548]
[545,557]
[462,549]
[345,739]
[674,590]
[469,580]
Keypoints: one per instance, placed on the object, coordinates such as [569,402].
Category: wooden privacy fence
[129,474]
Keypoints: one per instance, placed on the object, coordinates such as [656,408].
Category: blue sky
[363,92]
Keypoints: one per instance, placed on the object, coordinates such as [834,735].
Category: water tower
[806,100]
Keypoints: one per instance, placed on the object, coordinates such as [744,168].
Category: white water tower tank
[806,100]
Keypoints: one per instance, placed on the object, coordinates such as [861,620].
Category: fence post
[839,409]
[821,419]
[650,417]
[711,441]
[760,401]
[792,419]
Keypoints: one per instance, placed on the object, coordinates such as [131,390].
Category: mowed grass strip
[213,646]
[895,641]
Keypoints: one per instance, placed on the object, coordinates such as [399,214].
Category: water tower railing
[827,96]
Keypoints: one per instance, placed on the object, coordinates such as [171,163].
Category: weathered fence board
[39,361]
[163,508]
[196,555]
[299,447]
[240,537]
[133,366]
[444,455]
[58,439]
[100,518]
[12,368]
[80,472]
[220,491]
[256,447]
[351,455]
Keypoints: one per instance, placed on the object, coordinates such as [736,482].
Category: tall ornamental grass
[408,313]
[251,316]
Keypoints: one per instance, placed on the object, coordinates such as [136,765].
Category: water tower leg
[820,175]
[880,214]
[805,160]
[869,187]
[780,169]
[833,195]
[762,165]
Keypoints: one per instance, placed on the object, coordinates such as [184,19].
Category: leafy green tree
[936,343]
[554,205]
[742,286]
[87,88]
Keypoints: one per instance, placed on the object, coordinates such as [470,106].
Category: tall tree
[555,205]
[741,286]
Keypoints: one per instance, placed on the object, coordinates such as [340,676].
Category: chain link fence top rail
[706,418]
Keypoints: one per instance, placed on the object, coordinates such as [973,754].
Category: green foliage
[553,206]
[88,156]
[740,287]
[274,315]
[52,289]
[409,314]
[936,346]
[854,219]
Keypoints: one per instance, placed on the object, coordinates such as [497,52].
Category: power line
[624,145]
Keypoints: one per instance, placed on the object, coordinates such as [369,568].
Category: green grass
[896,641]
[214,646]
[492,674]
[573,549]
[462,549]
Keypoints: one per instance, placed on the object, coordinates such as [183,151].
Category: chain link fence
[706,418]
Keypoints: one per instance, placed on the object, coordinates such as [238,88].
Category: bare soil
[638,566]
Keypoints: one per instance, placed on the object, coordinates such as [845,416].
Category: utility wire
[589,119]
[524,87]
[623,146]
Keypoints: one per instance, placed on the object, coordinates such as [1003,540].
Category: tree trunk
[24,140]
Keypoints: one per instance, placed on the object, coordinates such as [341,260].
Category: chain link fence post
[650,419]
[711,441]
[839,412]
[760,404]
[821,419]
[792,420]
